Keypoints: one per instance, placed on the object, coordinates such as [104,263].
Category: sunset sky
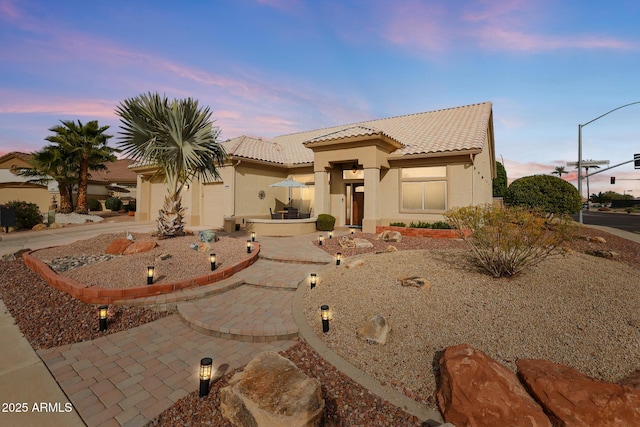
[271,67]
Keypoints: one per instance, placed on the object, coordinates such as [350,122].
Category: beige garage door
[213,205]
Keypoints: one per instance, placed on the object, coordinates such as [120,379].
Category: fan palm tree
[559,170]
[178,137]
[88,150]
[52,163]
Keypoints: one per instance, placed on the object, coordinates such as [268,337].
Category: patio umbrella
[290,183]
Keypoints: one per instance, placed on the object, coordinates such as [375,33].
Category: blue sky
[271,67]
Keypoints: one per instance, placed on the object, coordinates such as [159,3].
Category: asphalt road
[621,221]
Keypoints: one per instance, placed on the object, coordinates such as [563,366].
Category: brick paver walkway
[128,378]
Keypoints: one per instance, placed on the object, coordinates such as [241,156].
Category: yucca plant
[179,138]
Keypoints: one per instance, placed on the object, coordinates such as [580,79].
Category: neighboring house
[405,168]
[118,180]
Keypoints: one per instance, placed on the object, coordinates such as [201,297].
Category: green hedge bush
[27,214]
[438,225]
[94,205]
[325,222]
[113,204]
[545,192]
[130,207]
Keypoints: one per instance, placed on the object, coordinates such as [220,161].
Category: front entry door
[355,204]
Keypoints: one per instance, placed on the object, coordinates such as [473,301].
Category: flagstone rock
[390,236]
[362,243]
[118,246]
[414,281]
[272,391]
[574,399]
[475,390]
[375,330]
[138,247]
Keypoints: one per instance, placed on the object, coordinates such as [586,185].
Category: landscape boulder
[390,236]
[355,263]
[118,246]
[138,247]
[475,390]
[414,281]
[375,330]
[574,399]
[362,243]
[39,227]
[272,391]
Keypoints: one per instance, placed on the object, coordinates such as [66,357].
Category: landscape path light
[253,236]
[324,313]
[206,365]
[212,261]
[338,257]
[331,234]
[102,316]
[150,272]
[248,246]
[313,279]
[320,239]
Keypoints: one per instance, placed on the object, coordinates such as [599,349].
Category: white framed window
[424,188]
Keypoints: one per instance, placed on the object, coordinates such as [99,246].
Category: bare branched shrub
[506,240]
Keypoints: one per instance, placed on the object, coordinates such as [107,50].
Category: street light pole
[580,152]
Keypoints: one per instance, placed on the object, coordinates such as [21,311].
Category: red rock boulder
[137,247]
[475,390]
[118,246]
[574,399]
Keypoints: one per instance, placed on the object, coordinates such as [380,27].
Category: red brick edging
[422,232]
[94,295]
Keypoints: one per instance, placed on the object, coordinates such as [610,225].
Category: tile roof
[17,154]
[448,130]
[116,172]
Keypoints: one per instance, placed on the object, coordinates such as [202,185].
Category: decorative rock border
[422,232]
[94,295]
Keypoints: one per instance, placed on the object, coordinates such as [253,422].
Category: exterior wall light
[248,246]
[338,257]
[253,236]
[320,239]
[102,316]
[324,312]
[205,375]
[313,280]
[150,271]
[212,261]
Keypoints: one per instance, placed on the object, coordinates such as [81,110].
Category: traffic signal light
[613,180]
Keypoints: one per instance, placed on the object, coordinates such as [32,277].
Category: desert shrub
[398,224]
[113,204]
[27,214]
[438,225]
[130,207]
[325,222]
[94,205]
[506,240]
[548,193]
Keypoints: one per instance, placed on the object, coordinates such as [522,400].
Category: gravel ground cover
[50,318]
[130,270]
[578,310]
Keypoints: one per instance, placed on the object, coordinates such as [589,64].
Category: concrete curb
[422,412]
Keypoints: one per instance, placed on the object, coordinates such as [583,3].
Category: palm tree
[586,172]
[559,170]
[178,137]
[88,150]
[52,163]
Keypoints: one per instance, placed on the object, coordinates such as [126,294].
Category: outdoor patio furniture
[292,213]
[275,215]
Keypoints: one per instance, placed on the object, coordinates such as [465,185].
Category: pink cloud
[27,103]
[508,26]
[9,11]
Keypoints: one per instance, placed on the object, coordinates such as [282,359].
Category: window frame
[424,180]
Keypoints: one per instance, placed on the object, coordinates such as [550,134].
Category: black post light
[324,312]
[320,239]
[205,375]
[212,261]
[150,272]
[102,316]
[331,234]
[253,236]
[313,279]
[248,246]
[338,257]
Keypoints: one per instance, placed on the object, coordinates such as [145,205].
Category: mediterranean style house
[367,174]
